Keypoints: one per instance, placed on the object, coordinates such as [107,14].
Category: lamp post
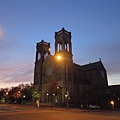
[47,100]
[60,58]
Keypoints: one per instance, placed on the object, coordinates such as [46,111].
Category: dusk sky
[94,25]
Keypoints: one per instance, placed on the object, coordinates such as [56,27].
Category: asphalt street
[20,112]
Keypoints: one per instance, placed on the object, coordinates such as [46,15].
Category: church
[64,82]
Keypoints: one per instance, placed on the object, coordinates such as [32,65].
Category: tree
[2,97]
[2,92]
[27,93]
[17,94]
[36,91]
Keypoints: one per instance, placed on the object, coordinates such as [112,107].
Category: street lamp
[112,103]
[23,96]
[47,96]
[59,58]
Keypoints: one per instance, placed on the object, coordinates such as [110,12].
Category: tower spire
[63,41]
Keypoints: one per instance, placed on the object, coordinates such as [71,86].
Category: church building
[64,82]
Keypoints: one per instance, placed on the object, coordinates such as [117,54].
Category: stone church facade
[73,81]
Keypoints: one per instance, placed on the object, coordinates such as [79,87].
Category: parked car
[94,106]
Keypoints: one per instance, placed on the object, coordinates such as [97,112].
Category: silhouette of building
[76,84]
[113,94]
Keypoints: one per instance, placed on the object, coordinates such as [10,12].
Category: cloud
[114,79]
[17,74]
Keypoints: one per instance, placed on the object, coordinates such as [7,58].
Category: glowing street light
[23,96]
[59,57]
[112,103]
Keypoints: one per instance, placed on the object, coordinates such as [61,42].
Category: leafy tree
[27,92]
[35,91]
[2,95]
[18,93]
[2,92]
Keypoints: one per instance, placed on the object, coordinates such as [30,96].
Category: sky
[94,25]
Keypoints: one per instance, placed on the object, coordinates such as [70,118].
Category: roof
[76,66]
[94,65]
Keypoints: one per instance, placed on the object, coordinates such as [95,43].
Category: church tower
[63,42]
[63,47]
[42,50]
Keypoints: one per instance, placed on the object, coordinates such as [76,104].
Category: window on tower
[45,55]
[39,56]
[67,47]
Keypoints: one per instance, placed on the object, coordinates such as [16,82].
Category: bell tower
[63,43]
[63,48]
[42,50]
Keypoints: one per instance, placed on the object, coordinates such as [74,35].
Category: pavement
[70,109]
[58,108]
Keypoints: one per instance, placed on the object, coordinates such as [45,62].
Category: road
[17,112]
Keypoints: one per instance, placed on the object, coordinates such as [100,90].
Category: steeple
[42,50]
[63,41]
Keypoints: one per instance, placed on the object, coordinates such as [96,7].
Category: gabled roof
[76,66]
[92,66]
